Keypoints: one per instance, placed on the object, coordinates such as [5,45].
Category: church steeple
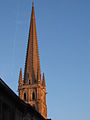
[32,65]
[32,90]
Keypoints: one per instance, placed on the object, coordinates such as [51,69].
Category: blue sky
[63,31]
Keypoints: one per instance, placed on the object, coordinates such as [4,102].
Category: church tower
[32,89]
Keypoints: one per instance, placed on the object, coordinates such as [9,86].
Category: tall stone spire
[32,66]
[33,90]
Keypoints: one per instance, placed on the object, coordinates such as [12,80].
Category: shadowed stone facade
[32,89]
[13,108]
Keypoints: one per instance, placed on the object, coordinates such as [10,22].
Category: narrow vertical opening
[33,96]
[25,96]
[29,82]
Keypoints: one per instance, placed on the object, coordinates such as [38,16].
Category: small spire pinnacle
[43,82]
[20,77]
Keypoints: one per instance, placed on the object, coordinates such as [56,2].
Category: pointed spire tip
[32,65]
[33,3]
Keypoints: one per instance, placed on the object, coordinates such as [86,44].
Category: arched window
[33,96]
[36,93]
[25,96]
[29,82]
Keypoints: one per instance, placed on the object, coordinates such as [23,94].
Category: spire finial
[33,3]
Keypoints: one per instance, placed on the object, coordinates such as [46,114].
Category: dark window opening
[24,96]
[33,96]
[29,82]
